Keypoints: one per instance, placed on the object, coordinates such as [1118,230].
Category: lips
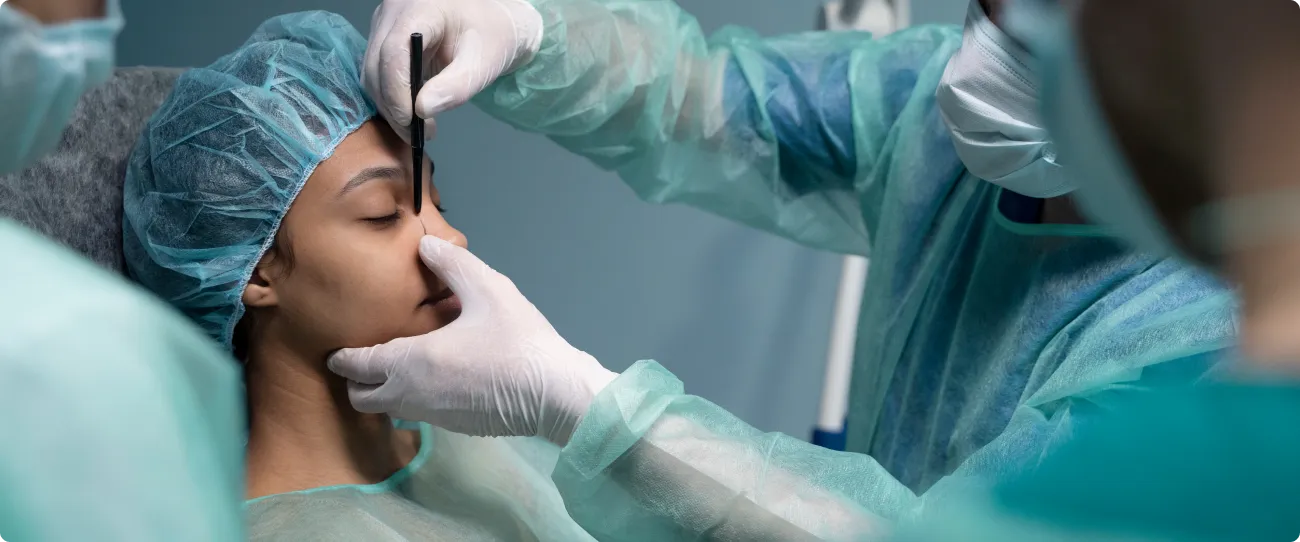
[444,301]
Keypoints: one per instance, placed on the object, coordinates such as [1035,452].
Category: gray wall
[740,316]
[938,11]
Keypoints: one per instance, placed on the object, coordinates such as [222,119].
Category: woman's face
[353,276]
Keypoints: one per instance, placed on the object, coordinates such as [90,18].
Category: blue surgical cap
[225,155]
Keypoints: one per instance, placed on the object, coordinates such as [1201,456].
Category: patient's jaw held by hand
[345,271]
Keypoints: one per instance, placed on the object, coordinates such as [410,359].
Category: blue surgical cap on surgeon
[225,155]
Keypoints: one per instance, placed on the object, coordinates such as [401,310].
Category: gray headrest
[74,195]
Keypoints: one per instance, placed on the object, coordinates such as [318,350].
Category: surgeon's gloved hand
[467,43]
[499,369]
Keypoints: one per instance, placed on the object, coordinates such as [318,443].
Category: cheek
[361,292]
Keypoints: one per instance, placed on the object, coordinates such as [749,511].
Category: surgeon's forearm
[702,483]
[675,466]
[784,134]
[609,75]
[660,481]
[59,11]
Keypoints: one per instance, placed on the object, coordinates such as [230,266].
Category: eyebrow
[370,174]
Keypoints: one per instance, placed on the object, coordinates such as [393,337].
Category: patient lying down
[268,203]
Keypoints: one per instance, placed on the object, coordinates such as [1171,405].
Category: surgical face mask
[1108,192]
[989,99]
[44,70]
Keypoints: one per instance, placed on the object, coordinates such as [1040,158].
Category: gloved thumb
[371,365]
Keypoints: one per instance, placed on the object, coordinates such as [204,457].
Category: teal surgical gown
[985,336]
[1207,464]
[458,488]
[123,421]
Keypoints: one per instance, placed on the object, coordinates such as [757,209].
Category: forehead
[372,145]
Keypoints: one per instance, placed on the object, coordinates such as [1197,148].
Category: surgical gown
[457,488]
[984,335]
[1208,464]
[123,421]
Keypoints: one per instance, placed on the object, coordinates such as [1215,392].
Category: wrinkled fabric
[123,420]
[44,70]
[221,161]
[1208,464]
[457,488]
[989,99]
[984,337]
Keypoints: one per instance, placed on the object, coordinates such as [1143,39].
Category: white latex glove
[499,369]
[468,44]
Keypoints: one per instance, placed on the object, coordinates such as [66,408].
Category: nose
[437,226]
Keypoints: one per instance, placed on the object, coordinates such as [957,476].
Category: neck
[1061,210]
[304,433]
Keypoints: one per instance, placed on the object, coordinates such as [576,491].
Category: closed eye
[386,220]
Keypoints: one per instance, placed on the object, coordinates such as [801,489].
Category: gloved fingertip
[434,249]
[430,129]
[351,363]
[364,398]
[337,361]
[400,117]
[434,100]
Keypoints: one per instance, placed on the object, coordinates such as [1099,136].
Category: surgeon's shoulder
[906,65]
[925,41]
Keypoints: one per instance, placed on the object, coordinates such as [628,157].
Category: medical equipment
[417,124]
[46,70]
[284,100]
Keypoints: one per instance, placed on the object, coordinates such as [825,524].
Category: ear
[260,291]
